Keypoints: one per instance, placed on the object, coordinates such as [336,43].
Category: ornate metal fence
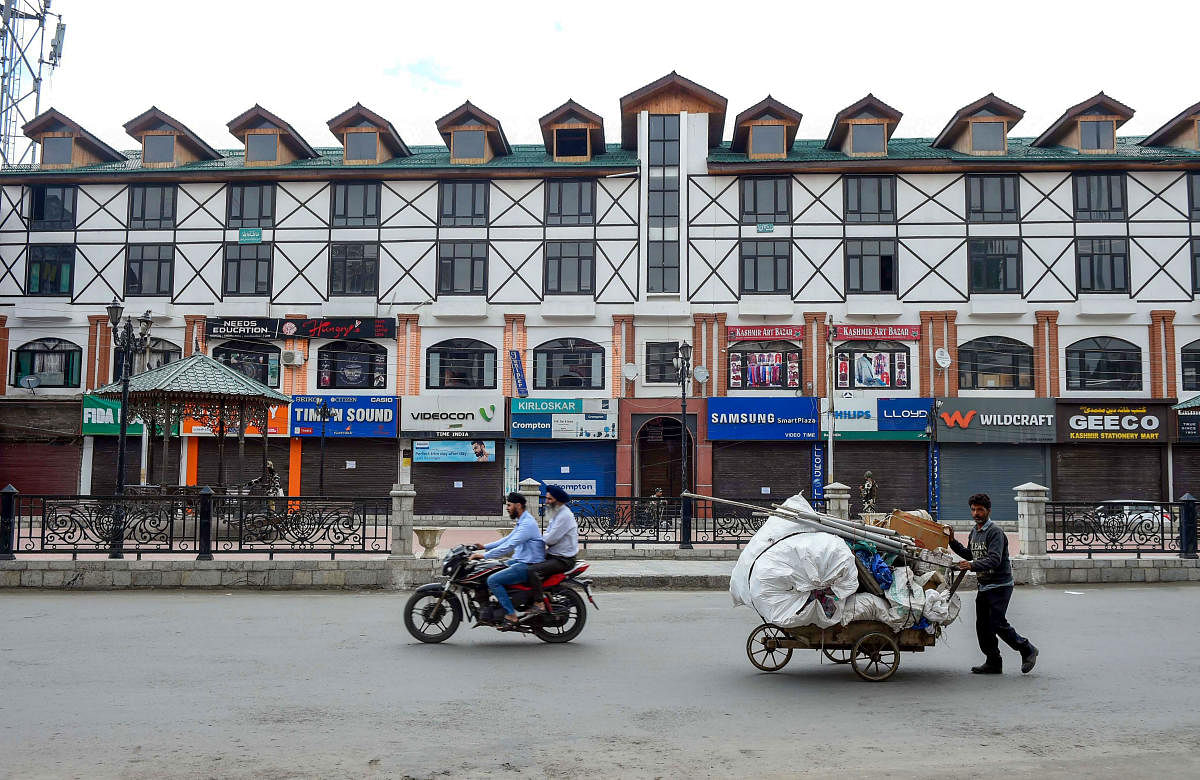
[1119,527]
[634,521]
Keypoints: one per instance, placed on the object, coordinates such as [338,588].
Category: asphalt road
[279,685]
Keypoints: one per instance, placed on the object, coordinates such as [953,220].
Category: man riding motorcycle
[525,542]
[562,544]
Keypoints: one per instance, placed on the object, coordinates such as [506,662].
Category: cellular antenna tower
[23,58]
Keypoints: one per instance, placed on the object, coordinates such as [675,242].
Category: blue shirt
[525,541]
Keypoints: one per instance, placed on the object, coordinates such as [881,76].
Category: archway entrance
[656,457]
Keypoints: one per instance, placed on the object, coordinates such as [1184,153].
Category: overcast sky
[206,62]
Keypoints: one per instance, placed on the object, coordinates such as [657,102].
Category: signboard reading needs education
[763,419]
[310,328]
[1113,422]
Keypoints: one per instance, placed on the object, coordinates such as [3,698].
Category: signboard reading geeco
[1112,422]
[762,419]
[451,417]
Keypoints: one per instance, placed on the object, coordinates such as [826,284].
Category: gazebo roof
[196,379]
[1191,403]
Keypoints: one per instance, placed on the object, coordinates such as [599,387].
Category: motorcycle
[434,612]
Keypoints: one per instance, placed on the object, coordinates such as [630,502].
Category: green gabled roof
[1191,403]
[330,158]
[197,378]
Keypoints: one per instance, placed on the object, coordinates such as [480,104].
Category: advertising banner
[310,328]
[763,419]
[563,418]
[454,452]
[1113,422]
[818,471]
[1189,424]
[350,416]
[1029,420]
[877,332]
[277,425]
[102,417]
[518,369]
[861,418]
[904,414]
[764,332]
[451,416]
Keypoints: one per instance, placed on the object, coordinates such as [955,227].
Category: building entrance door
[657,462]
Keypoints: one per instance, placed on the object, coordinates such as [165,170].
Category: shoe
[537,609]
[1029,659]
[988,667]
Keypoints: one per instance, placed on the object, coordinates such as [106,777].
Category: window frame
[374,146]
[582,347]
[855,216]
[326,360]
[154,345]
[548,261]
[969,366]
[475,259]
[146,147]
[50,225]
[775,153]
[1189,365]
[664,267]
[850,255]
[755,217]
[1112,135]
[72,370]
[560,218]
[587,142]
[70,139]
[741,351]
[474,347]
[344,246]
[1091,253]
[1194,192]
[891,348]
[1072,358]
[226,291]
[1016,257]
[449,189]
[990,122]
[166,217]
[744,244]
[1195,265]
[253,159]
[854,129]
[69,262]
[260,221]
[129,261]
[977,210]
[371,199]
[660,368]
[455,156]
[1090,214]
[252,347]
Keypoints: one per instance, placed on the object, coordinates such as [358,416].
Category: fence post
[532,490]
[204,541]
[8,525]
[1187,526]
[403,496]
[1031,519]
[837,500]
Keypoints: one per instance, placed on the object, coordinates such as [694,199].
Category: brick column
[697,350]
[1045,360]
[3,354]
[924,363]
[1156,357]
[408,358]
[952,348]
[193,338]
[813,357]
[296,377]
[1163,381]
[96,323]
[623,335]
[514,338]
[1040,368]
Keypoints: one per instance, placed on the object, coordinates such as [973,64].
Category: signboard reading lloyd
[563,418]
[451,417]
[1029,420]
[1113,422]
[763,419]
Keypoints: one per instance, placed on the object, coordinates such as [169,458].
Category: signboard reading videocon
[451,417]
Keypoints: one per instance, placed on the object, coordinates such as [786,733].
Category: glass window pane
[867,139]
[159,148]
[469,144]
[57,150]
[361,146]
[766,139]
[261,147]
[987,136]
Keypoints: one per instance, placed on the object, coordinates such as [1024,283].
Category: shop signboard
[102,417]
[763,419]
[454,451]
[861,417]
[877,332]
[904,414]
[445,416]
[1012,420]
[563,418]
[1189,424]
[1113,422]
[350,416]
[277,425]
[518,370]
[308,328]
[818,471]
[764,332]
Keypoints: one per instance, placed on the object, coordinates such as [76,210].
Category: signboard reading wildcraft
[764,332]
[451,417]
[356,416]
[312,328]
[763,419]
[1113,422]
[877,332]
[1013,420]
[563,418]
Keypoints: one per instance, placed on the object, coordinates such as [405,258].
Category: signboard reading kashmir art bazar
[764,332]
[311,328]
[762,419]
[1113,422]
[451,417]
[877,332]
[356,416]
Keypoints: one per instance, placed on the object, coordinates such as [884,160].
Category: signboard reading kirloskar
[451,417]
[350,416]
[1013,420]
[764,332]
[563,418]
[1113,422]
[312,328]
[877,332]
[762,419]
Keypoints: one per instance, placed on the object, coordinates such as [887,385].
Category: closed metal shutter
[481,491]
[1099,472]
[41,468]
[104,463]
[742,469]
[584,462]
[1186,464]
[238,472]
[900,468]
[994,469]
[373,475]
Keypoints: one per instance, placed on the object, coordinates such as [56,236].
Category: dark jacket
[987,550]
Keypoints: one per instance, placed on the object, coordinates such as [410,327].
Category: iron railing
[1129,527]
[633,521]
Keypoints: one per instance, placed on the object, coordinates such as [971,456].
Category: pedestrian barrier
[1124,527]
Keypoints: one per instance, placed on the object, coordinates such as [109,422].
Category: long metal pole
[323,409]
[685,506]
[124,339]
[829,358]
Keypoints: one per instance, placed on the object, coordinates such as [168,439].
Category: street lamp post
[128,342]
[323,411]
[683,365]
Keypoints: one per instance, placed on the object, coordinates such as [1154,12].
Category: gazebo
[205,390]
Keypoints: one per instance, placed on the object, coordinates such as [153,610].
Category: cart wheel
[763,651]
[875,657]
[837,656]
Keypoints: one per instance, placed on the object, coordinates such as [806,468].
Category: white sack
[940,609]
[868,606]
[906,596]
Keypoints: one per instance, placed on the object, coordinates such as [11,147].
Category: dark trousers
[540,571]
[991,623]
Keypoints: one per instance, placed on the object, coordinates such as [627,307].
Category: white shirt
[562,535]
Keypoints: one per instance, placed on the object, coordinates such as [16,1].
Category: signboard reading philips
[563,418]
[451,417]
[354,416]
[1113,422]
[1012,420]
[762,419]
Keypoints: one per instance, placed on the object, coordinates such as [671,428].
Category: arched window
[1104,363]
[159,352]
[568,364]
[256,359]
[755,365]
[352,365]
[1190,360]
[995,363]
[56,363]
[461,363]
[872,364]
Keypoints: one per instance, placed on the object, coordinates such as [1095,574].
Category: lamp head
[115,310]
[685,352]
[145,322]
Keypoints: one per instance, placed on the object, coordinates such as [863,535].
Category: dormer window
[571,142]
[1096,135]
[57,150]
[468,145]
[572,134]
[980,128]
[158,149]
[362,145]
[473,136]
[1089,127]
[366,137]
[987,136]
[868,139]
[767,141]
[262,147]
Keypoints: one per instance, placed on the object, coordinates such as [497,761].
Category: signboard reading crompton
[563,418]
[1113,422]
[764,332]
[762,419]
[451,417]
[312,328]
[1027,420]
[877,332]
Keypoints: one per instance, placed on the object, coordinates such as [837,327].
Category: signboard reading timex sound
[1113,422]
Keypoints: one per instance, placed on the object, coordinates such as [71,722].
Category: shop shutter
[544,461]
[104,462]
[41,468]
[481,494]
[1096,472]
[742,469]
[994,469]
[237,473]
[1186,462]
[373,475]
[900,469]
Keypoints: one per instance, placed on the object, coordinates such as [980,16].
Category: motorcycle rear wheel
[568,602]
[429,622]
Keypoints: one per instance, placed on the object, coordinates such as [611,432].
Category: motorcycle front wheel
[565,623]
[429,621]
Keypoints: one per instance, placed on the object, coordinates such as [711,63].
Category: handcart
[871,648]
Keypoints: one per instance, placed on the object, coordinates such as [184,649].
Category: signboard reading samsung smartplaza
[763,419]
[563,418]
[1010,420]
[451,417]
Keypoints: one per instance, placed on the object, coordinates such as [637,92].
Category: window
[1194,194]
[50,269]
[464,203]
[766,267]
[994,265]
[1104,363]
[992,198]
[573,364]
[461,363]
[764,365]
[159,352]
[664,139]
[871,266]
[352,365]
[571,142]
[52,207]
[870,198]
[247,269]
[251,205]
[1196,265]
[570,203]
[257,360]
[362,146]
[1103,265]
[995,363]
[1190,355]
[872,364]
[56,363]
[152,206]
[766,200]
[1099,197]
[462,268]
[868,139]
[1096,136]
[662,267]
[663,207]
[659,366]
[149,269]
[570,268]
[987,136]
[262,147]
[356,204]
[58,150]
[469,144]
[354,269]
[766,140]
[158,148]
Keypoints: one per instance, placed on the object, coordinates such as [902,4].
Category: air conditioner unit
[292,357]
